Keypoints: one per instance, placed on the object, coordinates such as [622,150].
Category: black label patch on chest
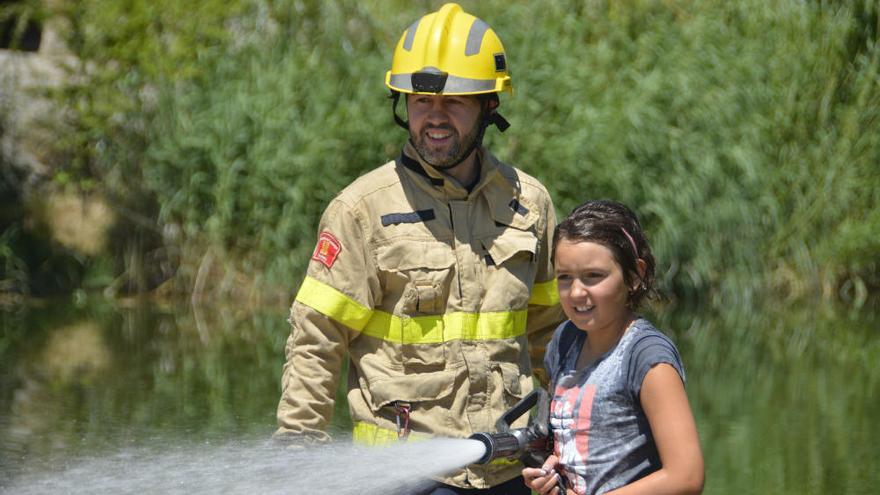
[412,217]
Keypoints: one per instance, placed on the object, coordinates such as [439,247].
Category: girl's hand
[544,479]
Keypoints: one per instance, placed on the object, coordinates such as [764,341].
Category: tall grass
[732,127]
[744,133]
[247,156]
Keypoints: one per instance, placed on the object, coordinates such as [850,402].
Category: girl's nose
[578,289]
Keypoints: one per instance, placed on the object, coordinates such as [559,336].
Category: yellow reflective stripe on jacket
[371,435]
[406,330]
[335,304]
[545,294]
[367,434]
[444,328]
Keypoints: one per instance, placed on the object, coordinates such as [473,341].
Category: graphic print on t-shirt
[572,408]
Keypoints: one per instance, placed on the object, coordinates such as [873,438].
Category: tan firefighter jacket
[436,294]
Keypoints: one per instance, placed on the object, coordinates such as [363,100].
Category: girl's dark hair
[616,227]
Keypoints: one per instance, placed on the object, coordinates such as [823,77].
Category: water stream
[254,467]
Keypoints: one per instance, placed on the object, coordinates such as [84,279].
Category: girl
[620,417]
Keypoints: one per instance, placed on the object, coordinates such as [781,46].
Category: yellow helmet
[449,52]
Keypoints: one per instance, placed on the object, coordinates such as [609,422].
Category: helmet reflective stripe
[410,36]
[475,37]
[454,85]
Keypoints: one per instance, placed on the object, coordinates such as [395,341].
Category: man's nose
[438,111]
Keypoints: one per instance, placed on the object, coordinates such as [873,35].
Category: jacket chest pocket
[511,266]
[417,276]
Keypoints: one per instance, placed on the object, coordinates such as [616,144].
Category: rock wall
[65,221]
[23,75]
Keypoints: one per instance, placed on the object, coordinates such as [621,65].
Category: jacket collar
[435,179]
[501,192]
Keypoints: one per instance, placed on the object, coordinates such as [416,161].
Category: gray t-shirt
[600,431]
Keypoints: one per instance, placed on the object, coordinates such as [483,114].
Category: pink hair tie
[631,242]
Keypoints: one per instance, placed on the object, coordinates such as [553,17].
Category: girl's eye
[592,277]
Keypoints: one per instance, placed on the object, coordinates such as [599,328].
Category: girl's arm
[669,414]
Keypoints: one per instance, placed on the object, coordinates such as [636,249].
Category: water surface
[147,398]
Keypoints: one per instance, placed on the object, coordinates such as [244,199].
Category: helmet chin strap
[500,122]
[487,118]
[395,97]
[494,117]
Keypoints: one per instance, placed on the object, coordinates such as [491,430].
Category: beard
[450,156]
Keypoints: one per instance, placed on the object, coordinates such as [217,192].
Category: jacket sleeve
[544,313]
[333,304]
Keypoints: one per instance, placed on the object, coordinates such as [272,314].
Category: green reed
[743,133]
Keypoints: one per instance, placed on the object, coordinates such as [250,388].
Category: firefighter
[432,272]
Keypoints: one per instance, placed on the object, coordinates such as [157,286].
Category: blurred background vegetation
[208,137]
[185,151]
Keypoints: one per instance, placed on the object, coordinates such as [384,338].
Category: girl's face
[592,291]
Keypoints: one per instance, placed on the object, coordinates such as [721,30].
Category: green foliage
[249,155]
[126,50]
[744,133]
[13,272]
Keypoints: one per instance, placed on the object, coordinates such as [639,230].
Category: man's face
[443,127]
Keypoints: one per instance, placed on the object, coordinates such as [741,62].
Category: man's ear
[489,102]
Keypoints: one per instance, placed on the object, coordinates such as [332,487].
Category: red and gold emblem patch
[327,249]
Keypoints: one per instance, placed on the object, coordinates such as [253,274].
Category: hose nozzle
[530,444]
[510,444]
